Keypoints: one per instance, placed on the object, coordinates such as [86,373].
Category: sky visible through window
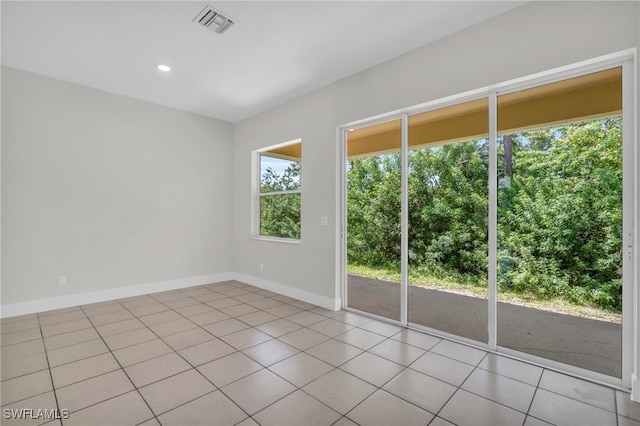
[277,164]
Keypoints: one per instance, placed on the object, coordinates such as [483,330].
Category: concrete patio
[586,343]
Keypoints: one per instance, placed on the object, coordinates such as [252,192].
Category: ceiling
[275,52]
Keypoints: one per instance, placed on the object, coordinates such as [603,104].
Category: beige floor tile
[91,391]
[212,296]
[129,338]
[21,350]
[361,338]
[278,327]
[532,421]
[460,352]
[250,297]
[172,327]
[439,421]
[14,326]
[265,303]
[302,305]
[181,303]
[141,352]
[167,296]
[303,339]
[339,390]
[155,369]
[270,352]
[123,410]
[384,409]
[8,339]
[188,338]
[208,317]
[248,422]
[224,302]
[15,367]
[238,310]
[501,389]
[72,338]
[195,309]
[397,352]
[154,308]
[111,317]
[195,291]
[424,391]
[257,318]
[624,421]
[301,369]
[581,390]
[465,408]
[442,368]
[76,352]
[372,368]
[65,327]
[283,310]
[59,318]
[222,328]
[558,409]
[160,317]
[102,308]
[176,390]
[152,422]
[382,328]
[626,407]
[416,338]
[25,386]
[305,318]
[324,312]
[334,352]
[84,369]
[119,327]
[45,401]
[7,320]
[205,352]
[211,409]
[330,327]
[345,421]
[258,390]
[297,408]
[137,301]
[283,298]
[511,368]
[351,318]
[246,338]
[229,369]
[232,292]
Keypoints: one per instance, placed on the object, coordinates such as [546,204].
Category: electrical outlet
[62,281]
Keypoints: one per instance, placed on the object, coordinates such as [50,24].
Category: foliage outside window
[279,196]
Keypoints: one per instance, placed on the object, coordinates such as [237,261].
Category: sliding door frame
[625,59]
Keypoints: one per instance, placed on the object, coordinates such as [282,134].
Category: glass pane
[278,174]
[448,210]
[280,215]
[373,219]
[560,224]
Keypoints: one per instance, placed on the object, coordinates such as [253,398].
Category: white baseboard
[42,305]
[305,296]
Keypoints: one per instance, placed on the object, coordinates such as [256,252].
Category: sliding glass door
[447,227]
[373,181]
[559,250]
[504,219]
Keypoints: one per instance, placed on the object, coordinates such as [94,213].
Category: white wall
[108,191]
[535,37]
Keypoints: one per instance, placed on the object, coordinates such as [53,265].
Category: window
[278,197]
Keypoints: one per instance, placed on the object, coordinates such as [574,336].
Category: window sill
[277,240]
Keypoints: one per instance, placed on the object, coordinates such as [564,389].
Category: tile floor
[233,354]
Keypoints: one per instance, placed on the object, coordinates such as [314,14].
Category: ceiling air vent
[214,20]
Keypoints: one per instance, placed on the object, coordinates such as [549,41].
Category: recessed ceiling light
[164,68]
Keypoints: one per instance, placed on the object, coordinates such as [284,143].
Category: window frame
[256,183]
